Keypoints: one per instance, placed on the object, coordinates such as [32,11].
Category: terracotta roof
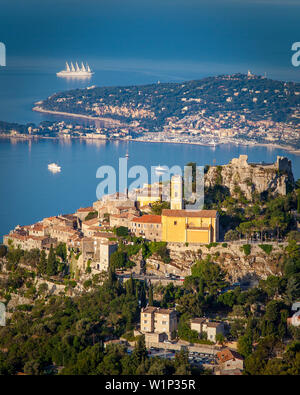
[92,221]
[227,355]
[186,213]
[149,219]
[213,324]
[164,311]
[85,209]
[198,320]
[104,234]
[149,309]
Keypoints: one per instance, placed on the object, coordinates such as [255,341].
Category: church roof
[187,213]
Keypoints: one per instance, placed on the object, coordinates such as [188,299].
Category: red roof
[148,219]
[227,355]
[85,209]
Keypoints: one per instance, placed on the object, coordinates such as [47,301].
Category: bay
[29,192]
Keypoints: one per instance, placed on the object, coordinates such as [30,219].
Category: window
[175,222]
[145,322]
[164,322]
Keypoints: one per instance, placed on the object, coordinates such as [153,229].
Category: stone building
[82,212]
[159,321]
[212,329]
[148,226]
[97,250]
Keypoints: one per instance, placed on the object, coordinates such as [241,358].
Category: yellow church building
[183,226]
[187,226]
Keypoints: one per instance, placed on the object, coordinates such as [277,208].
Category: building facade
[183,226]
[157,320]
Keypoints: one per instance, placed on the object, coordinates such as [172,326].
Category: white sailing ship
[71,71]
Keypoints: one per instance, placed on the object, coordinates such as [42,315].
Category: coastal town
[151,243]
[242,113]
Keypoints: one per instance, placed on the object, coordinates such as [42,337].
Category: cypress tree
[51,264]
[150,302]
[42,267]
[298,202]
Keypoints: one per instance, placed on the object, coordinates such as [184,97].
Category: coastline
[67,137]
[67,114]
[118,123]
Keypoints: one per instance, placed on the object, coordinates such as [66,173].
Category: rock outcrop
[239,175]
[230,256]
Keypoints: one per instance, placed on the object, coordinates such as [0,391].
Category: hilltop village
[199,283]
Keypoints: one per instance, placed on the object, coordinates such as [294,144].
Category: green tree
[118,259]
[51,263]
[61,251]
[150,301]
[42,266]
[3,250]
[244,346]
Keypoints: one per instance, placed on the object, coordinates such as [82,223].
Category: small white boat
[54,167]
[160,170]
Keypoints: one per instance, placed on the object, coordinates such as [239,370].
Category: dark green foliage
[122,231]
[118,259]
[42,266]
[61,251]
[267,248]
[91,215]
[158,207]
[3,250]
[51,263]
[150,301]
[247,249]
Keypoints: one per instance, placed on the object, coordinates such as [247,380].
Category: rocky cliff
[230,256]
[239,175]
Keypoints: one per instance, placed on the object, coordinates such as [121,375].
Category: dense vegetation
[169,100]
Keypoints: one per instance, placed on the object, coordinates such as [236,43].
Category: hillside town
[155,248]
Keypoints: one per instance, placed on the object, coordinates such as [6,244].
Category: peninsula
[242,109]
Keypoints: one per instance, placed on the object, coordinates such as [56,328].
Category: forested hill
[252,98]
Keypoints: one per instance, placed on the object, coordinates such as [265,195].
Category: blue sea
[125,43]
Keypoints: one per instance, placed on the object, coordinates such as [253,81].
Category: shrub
[224,245]
[87,284]
[231,235]
[91,215]
[247,249]
[212,245]
[3,250]
[122,231]
[267,248]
